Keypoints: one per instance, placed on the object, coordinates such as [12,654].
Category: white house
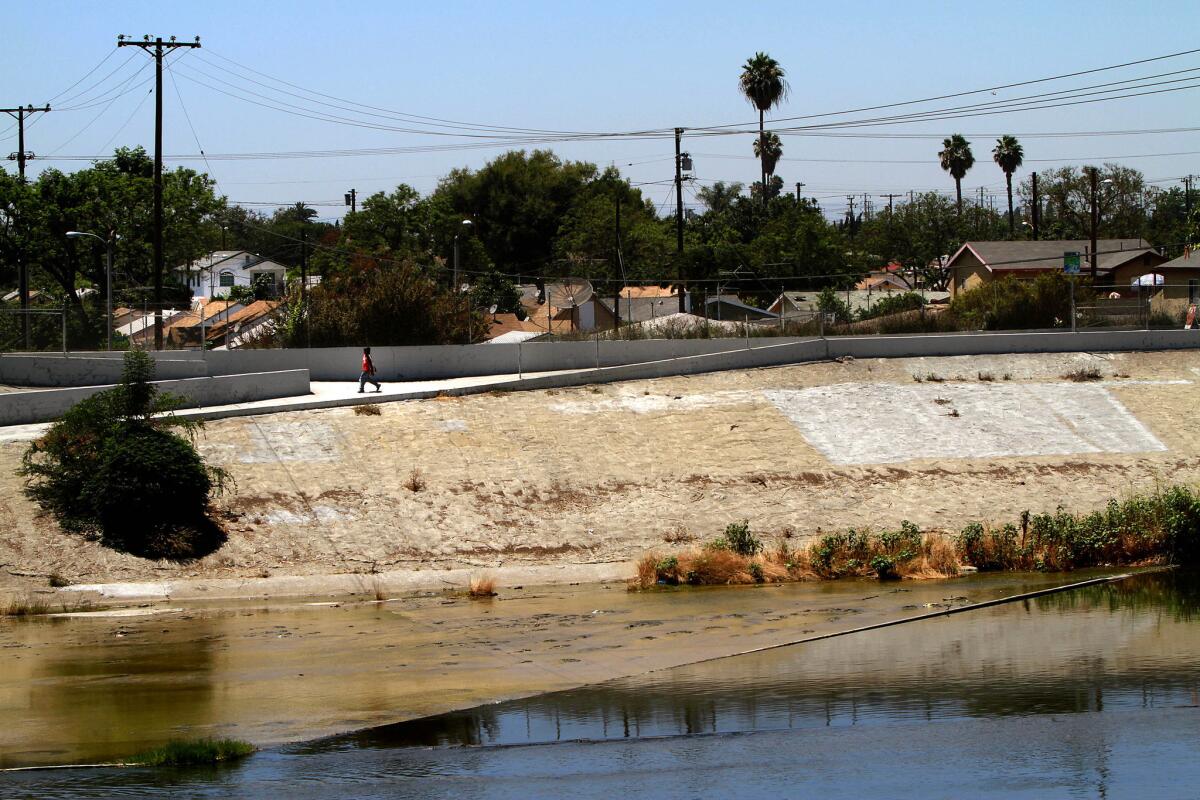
[215,274]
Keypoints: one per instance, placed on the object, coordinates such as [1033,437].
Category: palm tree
[302,213]
[956,159]
[762,82]
[769,150]
[1008,154]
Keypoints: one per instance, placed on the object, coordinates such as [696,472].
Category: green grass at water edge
[193,752]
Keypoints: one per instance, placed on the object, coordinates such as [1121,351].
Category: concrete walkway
[333,394]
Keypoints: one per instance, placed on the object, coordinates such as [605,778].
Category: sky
[593,67]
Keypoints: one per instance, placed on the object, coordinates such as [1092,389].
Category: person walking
[368,373]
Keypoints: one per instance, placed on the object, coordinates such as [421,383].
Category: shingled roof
[1040,256]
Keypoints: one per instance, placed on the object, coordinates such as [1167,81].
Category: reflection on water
[1126,645]
[1087,693]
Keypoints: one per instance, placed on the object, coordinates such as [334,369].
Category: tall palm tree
[1009,155]
[301,212]
[762,82]
[769,150]
[956,159]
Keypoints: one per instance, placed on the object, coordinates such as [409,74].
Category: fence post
[64,328]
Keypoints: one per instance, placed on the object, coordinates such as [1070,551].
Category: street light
[467,225]
[109,243]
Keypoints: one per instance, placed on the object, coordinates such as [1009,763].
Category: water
[1091,693]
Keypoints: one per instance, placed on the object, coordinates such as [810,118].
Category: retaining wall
[19,408]
[455,361]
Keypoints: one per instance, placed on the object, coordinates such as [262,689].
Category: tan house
[1118,263]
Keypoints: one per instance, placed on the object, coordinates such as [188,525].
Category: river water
[1087,693]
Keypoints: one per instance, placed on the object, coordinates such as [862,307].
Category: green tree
[115,468]
[764,85]
[769,150]
[956,158]
[1066,197]
[1008,155]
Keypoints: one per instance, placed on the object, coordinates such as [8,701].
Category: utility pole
[799,186]
[867,209]
[1037,208]
[1094,181]
[850,200]
[679,218]
[617,263]
[890,198]
[20,157]
[352,200]
[1187,193]
[156,48]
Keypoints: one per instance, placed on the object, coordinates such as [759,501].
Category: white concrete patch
[123,590]
[451,425]
[319,515]
[281,440]
[648,403]
[854,423]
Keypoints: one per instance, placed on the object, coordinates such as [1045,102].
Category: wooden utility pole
[1037,207]
[679,220]
[1094,181]
[1187,192]
[20,157]
[352,200]
[890,198]
[156,47]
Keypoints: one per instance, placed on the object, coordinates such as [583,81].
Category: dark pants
[364,378]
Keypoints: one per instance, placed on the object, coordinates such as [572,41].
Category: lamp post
[466,225]
[109,244]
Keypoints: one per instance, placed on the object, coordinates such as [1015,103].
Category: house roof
[1046,255]
[251,262]
[1188,260]
[258,308]
[636,292]
[732,301]
[535,325]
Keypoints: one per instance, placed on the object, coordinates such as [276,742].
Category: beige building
[1118,263]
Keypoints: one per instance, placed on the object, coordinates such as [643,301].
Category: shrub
[1010,303]
[368,410]
[415,482]
[893,304]
[829,303]
[1082,375]
[114,469]
[740,540]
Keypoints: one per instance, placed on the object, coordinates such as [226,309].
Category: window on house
[268,278]
[226,279]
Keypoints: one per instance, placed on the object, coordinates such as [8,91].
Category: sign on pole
[1071,262]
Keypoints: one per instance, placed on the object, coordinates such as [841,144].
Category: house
[216,273]
[731,308]
[244,325]
[641,303]
[140,329]
[184,329]
[801,306]
[1118,261]
[1178,289]
[890,277]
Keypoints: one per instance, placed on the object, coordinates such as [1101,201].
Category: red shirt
[367,365]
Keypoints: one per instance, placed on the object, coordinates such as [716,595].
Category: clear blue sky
[601,66]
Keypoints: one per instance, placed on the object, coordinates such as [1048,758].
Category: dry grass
[415,482]
[27,606]
[679,534]
[482,586]
[368,410]
[907,553]
[986,377]
[1083,375]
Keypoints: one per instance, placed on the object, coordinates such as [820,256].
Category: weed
[986,377]
[58,581]
[756,572]
[678,535]
[941,401]
[27,606]
[368,410]
[1007,376]
[953,413]
[482,586]
[739,539]
[1082,375]
[918,378]
[415,481]
[177,753]
[932,378]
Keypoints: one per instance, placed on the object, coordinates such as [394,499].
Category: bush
[893,304]
[1013,304]
[829,303]
[740,540]
[114,469]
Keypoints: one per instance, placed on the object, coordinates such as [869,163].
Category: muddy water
[1091,693]
[86,689]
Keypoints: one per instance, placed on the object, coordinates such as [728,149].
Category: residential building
[216,273]
[1118,261]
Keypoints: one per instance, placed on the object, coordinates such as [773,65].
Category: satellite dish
[492,310]
[466,287]
[569,292]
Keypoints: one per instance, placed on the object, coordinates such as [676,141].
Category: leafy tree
[1066,198]
[956,158]
[1008,155]
[114,468]
[492,288]
[829,303]
[763,83]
